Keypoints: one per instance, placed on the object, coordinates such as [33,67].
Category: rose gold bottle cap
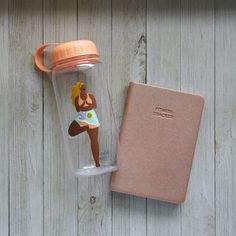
[68,55]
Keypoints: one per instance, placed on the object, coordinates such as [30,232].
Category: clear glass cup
[84,104]
[87,119]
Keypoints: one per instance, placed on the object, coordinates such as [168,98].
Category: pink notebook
[157,142]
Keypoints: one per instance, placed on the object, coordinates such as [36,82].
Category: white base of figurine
[93,170]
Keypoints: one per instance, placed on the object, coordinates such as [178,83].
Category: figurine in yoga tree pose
[86,120]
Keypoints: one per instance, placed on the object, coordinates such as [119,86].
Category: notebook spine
[126,110]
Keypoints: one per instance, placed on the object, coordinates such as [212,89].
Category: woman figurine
[87,120]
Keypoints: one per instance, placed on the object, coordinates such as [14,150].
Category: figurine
[86,120]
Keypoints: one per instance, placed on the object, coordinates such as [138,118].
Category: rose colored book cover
[157,143]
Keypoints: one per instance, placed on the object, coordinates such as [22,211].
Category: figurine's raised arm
[94,103]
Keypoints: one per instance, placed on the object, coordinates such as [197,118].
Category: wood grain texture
[4,121]
[163,69]
[26,127]
[60,190]
[197,75]
[187,45]
[94,198]
[225,117]
[128,64]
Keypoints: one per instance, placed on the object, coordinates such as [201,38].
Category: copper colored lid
[73,49]
[68,55]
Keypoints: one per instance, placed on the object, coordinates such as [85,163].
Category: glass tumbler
[84,106]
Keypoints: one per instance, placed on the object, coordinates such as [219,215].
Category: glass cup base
[93,170]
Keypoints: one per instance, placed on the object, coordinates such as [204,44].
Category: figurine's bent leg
[75,128]
[93,135]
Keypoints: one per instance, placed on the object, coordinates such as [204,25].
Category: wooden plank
[128,64]
[197,75]
[225,117]
[94,199]
[4,121]
[163,69]
[25,143]
[60,190]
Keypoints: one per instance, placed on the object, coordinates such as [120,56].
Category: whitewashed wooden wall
[186,44]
